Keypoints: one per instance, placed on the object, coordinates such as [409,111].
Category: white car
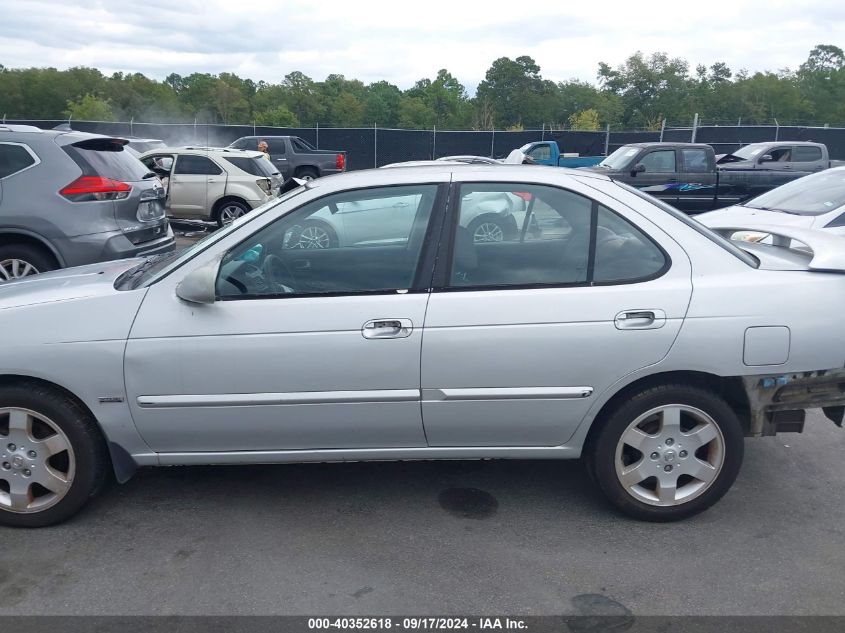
[212,183]
[493,216]
[814,202]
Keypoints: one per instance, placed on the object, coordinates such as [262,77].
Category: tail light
[87,188]
[339,162]
[264,183]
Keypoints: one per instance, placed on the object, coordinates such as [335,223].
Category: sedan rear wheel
[668,452]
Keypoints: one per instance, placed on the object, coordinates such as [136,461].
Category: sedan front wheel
[52,456]
[668,452]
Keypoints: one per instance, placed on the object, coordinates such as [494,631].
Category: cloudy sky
[402,41]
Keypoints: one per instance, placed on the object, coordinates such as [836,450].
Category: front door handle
[387,328]
[640,319]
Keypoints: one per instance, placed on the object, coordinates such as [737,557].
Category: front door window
[354,242]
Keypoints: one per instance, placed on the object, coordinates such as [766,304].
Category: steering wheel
[284,282]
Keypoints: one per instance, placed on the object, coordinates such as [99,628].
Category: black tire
[307,173]
[33,255]
[218,213]
[89,449]
[602,454]
[506,229]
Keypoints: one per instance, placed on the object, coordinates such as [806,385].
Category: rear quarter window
[14,158]
[253,166]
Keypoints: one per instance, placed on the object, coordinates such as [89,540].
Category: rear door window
[14,158]
[563,238]
[276,146]
[108,158]
[301,146]
[806,154]
[695,160]
[196,165]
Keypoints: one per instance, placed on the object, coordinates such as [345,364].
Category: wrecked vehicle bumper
[778,402]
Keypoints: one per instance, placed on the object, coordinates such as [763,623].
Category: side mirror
[766,158]
[637,169]
[198,286]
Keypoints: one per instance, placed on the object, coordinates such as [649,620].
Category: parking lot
[429,538]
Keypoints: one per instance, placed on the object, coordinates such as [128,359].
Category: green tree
[652,88]
[90,108]
[585,120]
[279,116]
[414,114]
[517,92]
[381,104]
[302,98]
[230,103]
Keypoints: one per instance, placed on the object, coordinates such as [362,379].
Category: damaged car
[637,338]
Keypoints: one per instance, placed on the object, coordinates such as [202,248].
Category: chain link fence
[375,146]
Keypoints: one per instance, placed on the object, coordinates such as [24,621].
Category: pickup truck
[295,157]
[801,156]
[688,176]
[548,153]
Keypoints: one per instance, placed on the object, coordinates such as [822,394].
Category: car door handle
[387,328]
[212,180]
[640,319]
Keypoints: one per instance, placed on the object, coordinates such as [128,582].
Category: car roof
[205,151]
[62,136]
[441,171]
[666,144]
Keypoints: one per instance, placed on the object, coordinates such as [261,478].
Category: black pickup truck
[689,177]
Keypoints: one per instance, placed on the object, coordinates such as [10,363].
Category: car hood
[92,280]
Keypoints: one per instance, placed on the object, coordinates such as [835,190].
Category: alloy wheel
[488,232]
[314,237]
[230,213]
[670,455]
[16,269]
[37,463]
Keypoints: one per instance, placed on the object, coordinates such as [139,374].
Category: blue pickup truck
[548,153]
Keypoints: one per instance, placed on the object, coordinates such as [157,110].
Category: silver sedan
[607,325]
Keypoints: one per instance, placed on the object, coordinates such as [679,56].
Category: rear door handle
[387,328]
[640,319]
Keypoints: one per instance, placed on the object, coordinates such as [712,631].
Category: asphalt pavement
[518,537]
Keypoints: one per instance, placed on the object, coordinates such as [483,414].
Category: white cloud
[404,41]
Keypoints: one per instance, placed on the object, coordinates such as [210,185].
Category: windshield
[620,158]
[811,195]
[157,266]
[749,152]
[696,226]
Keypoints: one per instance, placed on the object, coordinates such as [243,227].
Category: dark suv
[71,198]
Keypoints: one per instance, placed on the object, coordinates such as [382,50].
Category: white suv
[211,183]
